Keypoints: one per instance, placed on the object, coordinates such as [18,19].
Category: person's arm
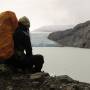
[28,47]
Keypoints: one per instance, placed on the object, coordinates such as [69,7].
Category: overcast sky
[49,12]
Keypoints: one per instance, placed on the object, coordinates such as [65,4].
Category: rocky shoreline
[39,81]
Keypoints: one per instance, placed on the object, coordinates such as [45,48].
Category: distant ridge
[78,36]
[52,28]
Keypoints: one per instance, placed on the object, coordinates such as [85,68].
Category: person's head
[24,21]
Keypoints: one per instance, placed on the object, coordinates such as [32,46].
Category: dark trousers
[38,62]
[32,63]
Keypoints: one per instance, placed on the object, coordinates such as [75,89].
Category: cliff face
[79,36]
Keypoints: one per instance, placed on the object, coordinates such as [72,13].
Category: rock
[39,81]
[38,75]
[78,36]
[65,79]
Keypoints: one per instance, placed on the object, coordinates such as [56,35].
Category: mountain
[53,28]
[78,36]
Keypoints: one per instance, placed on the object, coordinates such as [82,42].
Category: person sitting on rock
[24,58]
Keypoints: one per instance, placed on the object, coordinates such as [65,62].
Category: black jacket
[22,40]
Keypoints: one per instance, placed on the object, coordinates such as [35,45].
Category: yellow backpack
[8,25]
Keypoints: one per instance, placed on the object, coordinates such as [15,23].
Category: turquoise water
[74,62]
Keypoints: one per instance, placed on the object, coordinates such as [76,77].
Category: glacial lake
[74,62]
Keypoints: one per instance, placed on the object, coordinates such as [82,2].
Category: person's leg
[16,64]
[38,61]
[2,62]
[11,64]
[27,64]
